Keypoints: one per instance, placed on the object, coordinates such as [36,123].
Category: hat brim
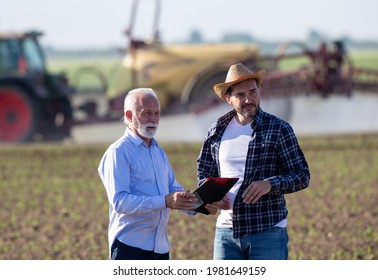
[221,88]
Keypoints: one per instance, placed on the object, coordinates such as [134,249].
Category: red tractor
[33,102]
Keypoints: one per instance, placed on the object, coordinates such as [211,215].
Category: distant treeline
[82,53]
[312,41]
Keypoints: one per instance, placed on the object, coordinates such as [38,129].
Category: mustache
[150,124]
[249,105]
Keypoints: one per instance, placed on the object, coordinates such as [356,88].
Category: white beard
[142,129]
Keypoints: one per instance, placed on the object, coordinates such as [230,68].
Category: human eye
[146,113]
[239,95]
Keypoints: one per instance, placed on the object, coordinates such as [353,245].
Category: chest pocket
[264,156]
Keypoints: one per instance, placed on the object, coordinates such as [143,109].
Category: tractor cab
[21,53]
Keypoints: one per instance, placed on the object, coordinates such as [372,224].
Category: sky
[75,24]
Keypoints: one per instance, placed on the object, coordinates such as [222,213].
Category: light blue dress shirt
[137,178]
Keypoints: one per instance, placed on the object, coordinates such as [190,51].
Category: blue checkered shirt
[273,154]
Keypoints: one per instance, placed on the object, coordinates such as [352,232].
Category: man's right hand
[180,200]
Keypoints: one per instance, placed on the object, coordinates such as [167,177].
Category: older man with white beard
[141,185]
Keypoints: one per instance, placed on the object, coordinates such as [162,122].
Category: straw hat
[236,74]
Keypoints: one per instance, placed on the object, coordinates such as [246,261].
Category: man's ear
[129,116]
[228,98]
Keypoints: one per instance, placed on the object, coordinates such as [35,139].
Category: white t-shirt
[232,156]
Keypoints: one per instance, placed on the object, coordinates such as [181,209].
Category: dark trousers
[121,251]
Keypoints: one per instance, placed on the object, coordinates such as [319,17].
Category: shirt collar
[225,119]
[258,118]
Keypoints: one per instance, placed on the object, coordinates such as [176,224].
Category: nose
[248,99]
[250,96]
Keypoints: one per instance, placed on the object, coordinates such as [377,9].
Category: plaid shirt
[274,154]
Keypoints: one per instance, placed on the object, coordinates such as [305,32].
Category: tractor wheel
[202,93]
[51,130]
[18,115]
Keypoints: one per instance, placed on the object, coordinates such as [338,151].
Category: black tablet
[212,190]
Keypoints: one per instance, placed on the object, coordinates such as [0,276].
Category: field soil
[53,204]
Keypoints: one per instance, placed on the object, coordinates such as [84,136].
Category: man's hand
[213,207]
[180,200]
[255,191]
[226,203]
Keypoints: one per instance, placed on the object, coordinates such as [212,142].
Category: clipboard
[212,190]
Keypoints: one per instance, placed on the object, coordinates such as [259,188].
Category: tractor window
[33,56]
[9,54]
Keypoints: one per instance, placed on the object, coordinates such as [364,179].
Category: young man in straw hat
[263,152]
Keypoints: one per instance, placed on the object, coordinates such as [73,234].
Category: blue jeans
[121,251]
[271,244]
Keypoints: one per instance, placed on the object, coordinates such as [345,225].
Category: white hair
[131,98]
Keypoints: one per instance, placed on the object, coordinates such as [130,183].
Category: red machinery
[329,72]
